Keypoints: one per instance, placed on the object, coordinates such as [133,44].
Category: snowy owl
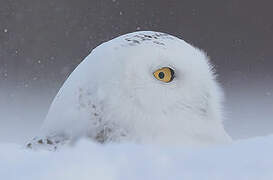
[144,87]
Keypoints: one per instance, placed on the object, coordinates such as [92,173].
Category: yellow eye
[164,74]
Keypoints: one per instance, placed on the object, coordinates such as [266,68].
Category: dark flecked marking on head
[29,145]
[141,37]
[159,43]
[49,142]
[136,41]
[148,36]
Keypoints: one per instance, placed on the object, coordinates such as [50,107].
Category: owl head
[148,87]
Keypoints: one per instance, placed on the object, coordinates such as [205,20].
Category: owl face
[170,77]
[168,84]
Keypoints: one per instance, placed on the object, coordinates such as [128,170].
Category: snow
[245,159]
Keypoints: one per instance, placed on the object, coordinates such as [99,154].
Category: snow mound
[246,159]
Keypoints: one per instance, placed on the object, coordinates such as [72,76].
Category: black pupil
[161,75]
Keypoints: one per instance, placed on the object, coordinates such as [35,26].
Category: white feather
[113,93]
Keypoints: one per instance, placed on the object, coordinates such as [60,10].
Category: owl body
[120,93]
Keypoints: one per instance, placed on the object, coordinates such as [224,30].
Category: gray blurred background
[41,42]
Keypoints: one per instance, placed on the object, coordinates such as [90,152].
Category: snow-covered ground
[244,160]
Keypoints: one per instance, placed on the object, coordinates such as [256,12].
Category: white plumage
[114,96]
